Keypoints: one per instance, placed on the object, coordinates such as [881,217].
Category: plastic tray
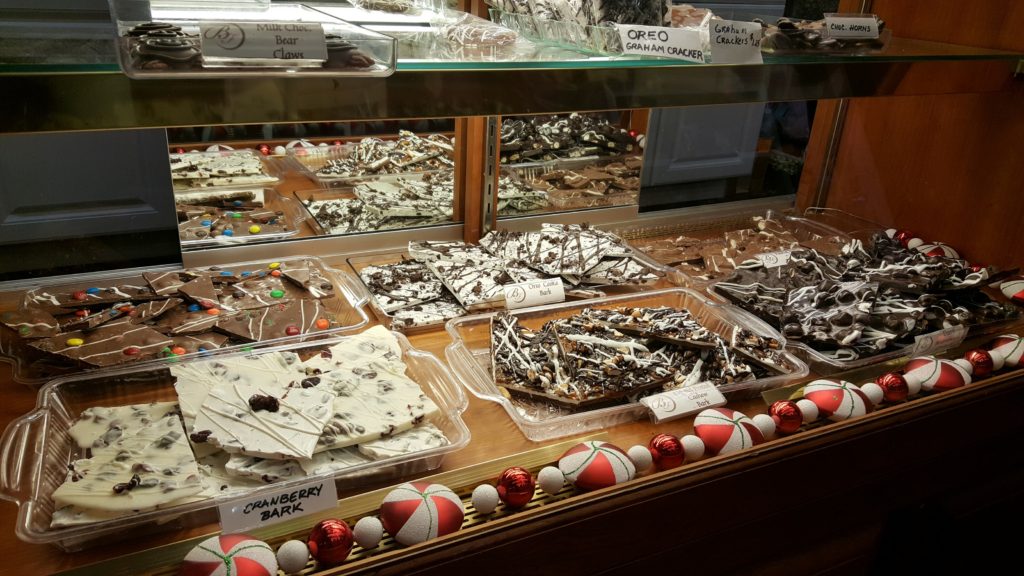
[803,229]
[226,22]
[853,226]
[270,170]
[359,262]
[33,367]
[308,160]
[36,448]
[527,173]
[292,214]
[601,40]
[347,194]
[469,357]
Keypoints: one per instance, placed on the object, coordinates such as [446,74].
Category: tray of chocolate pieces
[172,45]
[198,171]
[585,183]
[566,368]
[170,316]
[789,36]
[699,257]
[435,281]
[139,449]
[217,218]
[374,158]
[528,140]
[871,303]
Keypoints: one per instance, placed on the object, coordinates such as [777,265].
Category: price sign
[774,259]
[678,43]
[735,42]
[263,41]
[683,401]
[852,27]
[278,506]
[534,293]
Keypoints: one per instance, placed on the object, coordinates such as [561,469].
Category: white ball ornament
[873,391]
[693,447]
[808,409]
[765,424]
[485,499]
[914,243]
[641,457]
[368,532]
[292,556]
[550,480]
[280,150]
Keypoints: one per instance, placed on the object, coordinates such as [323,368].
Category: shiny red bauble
[787,416]
[894,387]
[516,487]
[330,541]
[667,451]
[981,363]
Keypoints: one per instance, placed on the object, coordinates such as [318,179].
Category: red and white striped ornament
[937,249]
[837,399]
[725,431]
[230,555]
[1013,289]
[1006,350]
[594,464]
[415,512]
[936,374]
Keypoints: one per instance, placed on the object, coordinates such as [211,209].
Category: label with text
[774,259]
[683,401]
[278,506]
[678,43]
[735,42]
[534,293]
[851,27]
[263,41]
[944,339]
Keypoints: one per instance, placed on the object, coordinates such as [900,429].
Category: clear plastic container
[363,221]
[33,367]
[268,177]
[469,357]
[851,225]
[171,39]
[568,199]
[37,448]
[309,161]
[600,40]
[358,263]
[290,213]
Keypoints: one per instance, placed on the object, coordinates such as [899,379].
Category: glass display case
[530,154]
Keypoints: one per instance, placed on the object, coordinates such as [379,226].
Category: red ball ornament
[336,143]
[981,362]
[179,150]
[234,554]
[516,487]
[667,451]
[330,541]
[264,149]
[787,416]
[977,267]
[903,237]
[894,387]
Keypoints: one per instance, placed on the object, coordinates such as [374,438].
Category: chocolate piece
[278,321]
[107,345]
[409,153]
[258,292]
[308,275]
[397,286]
[181,320]
[90,321]
[164,283]
[664,323]
[200,290]
[153,309]
[30,322]
[201,342]
[90,295]
[427,314]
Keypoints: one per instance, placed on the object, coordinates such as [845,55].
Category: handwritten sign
[534,293]
[774,259]
[682,401]
[678,43]
[944,339]
[735,42]
[263,41]
[850,26]
[278,506]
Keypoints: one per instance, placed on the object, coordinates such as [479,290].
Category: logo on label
[516,294]
[226,36]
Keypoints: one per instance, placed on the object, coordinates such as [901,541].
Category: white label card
[263,40]
[678,43]
[735,42]
[534,293]
[278,506]
[774,259]
[852,27]
[683,401]
[944,339]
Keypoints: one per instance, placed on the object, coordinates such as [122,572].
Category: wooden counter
[833,498]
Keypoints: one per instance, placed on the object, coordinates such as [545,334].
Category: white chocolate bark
[418,439]
[99,427]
